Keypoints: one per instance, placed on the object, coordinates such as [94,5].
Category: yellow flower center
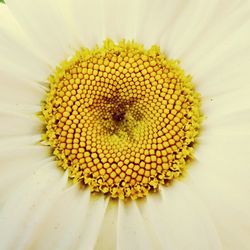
[121,119]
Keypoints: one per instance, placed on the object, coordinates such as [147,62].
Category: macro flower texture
[125,125]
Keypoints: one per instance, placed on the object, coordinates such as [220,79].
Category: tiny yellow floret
[121,119]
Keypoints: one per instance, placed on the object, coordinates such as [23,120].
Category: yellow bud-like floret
[121,119]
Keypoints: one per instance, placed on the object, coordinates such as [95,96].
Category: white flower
[208,209]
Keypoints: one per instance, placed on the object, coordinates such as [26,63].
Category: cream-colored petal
[47,26]
[19,58]
[232,124]
[107,238]
[73,222]
[228,202]
[26,206]
[232,104]
[119,19]
[21,71]
[222,39]
[179,219]
[18,109]
[61,228]
[16,90]
[87,18]
[131,230]
[221,179]
[189,21]
[169,24]
[94,219]
[158,14]
[225,156]
[13,123]
[16,161]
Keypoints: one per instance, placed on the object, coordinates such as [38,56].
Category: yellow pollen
[121,119]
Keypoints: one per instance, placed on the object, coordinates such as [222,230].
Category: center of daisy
[118,115]
[121,119]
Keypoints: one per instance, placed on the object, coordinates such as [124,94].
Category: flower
[208,209]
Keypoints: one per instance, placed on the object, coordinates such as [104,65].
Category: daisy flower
[106,77]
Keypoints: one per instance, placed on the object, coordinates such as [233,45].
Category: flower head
[39,208]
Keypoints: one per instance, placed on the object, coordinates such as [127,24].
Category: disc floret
[122,119]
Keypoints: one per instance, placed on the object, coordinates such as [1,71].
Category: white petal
[229,203]
[221,39]
[107,238]
[226,157]
[88,20]
[18,56]
[154,19]
[220,178]
[76,216]
[13,123]
[16,161]
[46,24]
[27,205]
[20,69]
[65,217]
[16,91]
[94,219]
[180,220]
[131,231]
[233,103]
[235,123]
[189,20]
[119,19]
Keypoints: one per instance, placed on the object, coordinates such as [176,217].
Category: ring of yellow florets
[121,118]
